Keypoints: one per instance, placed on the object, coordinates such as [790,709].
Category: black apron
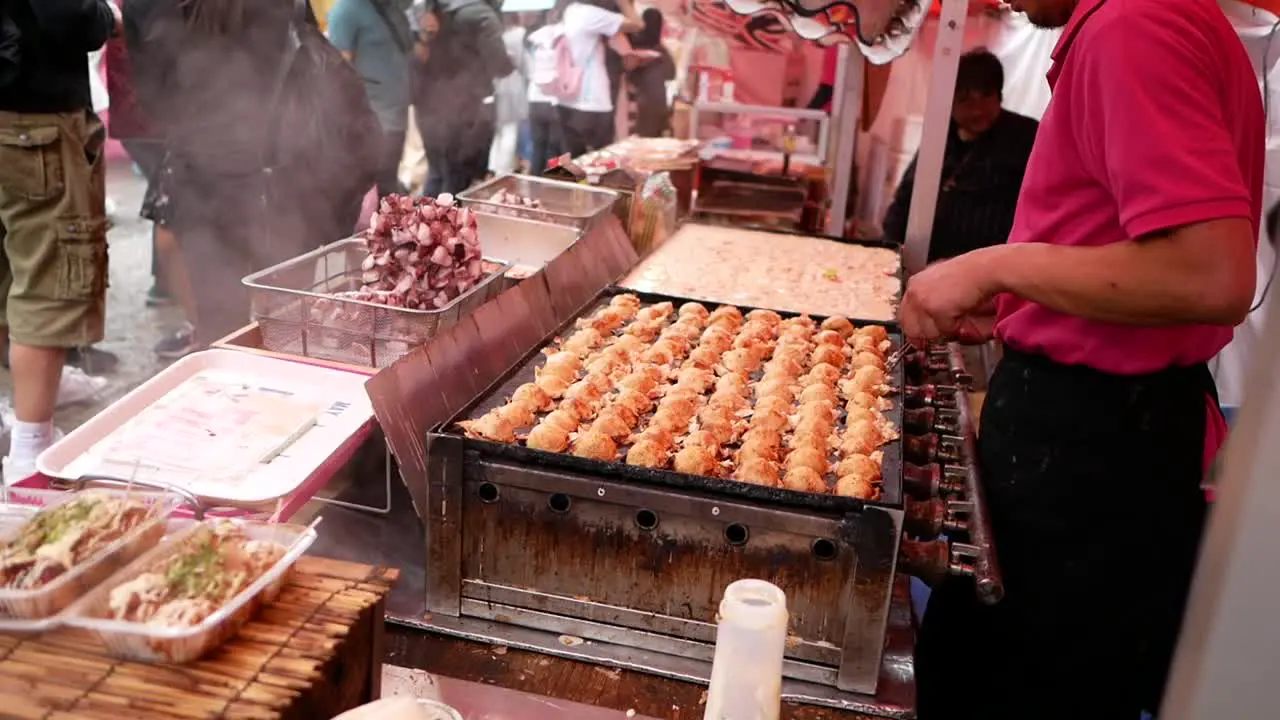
[1093,482]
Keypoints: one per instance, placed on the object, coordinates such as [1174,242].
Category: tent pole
[933,141]
[846,116]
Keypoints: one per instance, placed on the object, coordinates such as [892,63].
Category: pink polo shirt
[1156,121]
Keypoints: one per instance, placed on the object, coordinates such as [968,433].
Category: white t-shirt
[542,37]
[588,28]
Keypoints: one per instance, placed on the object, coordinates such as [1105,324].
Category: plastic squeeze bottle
[746,676]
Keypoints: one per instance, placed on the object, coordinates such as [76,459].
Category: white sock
[28,440]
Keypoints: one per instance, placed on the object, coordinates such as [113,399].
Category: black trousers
[1093,482]
[583,131]
[544,127]
[149,156]
[389,169]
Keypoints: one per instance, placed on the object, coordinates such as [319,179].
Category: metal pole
[846,116]
[933,140]
[1230,644]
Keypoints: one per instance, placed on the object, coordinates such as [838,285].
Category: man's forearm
[1173,280]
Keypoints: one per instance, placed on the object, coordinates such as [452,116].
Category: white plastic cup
[746,676]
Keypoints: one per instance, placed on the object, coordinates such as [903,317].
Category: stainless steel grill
[294,306]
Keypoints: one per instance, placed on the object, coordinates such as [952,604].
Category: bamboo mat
[300,657]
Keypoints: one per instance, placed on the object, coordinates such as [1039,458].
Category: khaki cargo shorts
[53,228]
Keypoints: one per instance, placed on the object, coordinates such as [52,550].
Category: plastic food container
[33,610]
[149,643]
[746,674]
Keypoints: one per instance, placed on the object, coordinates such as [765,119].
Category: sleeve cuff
[1187,214]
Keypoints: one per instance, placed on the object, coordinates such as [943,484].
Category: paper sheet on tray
[217,426]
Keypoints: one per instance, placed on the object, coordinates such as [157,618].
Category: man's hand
[430,23]
[950,300]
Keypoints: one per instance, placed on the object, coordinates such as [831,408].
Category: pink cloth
[1155,122]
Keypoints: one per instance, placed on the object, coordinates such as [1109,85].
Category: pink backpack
[555,72]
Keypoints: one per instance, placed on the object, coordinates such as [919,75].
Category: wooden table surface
[311,654]
[565,679]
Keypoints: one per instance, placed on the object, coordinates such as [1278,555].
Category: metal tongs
[898,354]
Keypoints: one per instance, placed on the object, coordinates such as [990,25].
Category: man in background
[52,207]
[375,36]
[986,157]
[463,58]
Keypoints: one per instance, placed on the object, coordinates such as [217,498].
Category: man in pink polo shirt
[1130,261]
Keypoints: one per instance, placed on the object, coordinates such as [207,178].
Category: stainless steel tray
[294,306]
[563,203]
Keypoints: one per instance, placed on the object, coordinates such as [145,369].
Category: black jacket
[466,57]
[54,40]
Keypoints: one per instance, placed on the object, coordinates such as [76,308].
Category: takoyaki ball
[583,341]
[560,372]
[862,438]
[580,409]
[868,359]
[799,322]
[857,413]
[685,331]
[669,420]
[773,404]
[695,379]
[869,401]
[531,393]
[645,331]
[877,333]
[562,420]
[625,300]
[829,355]
[647,453]
[767,317]
[824,409]
[584,390]
[784,365]
[606,364]
[520,413]
[724,431]
[659,354]
[762,442]
[816,425]
[678,345]
[732,383]
[740,361]
[829,337]
[634,400]
[661,311]
[717,338]
[769,420]
[791,355]
[491,426]
[606,320]
[694,310]
[757,471]
[595,445]
[639,382]
[855,487]
[657,435]
[868,379]
[548,437]
[803,479]
[753,333]
[726,316]
[599,381]
[864,343]
[696,460]
[553,385]
[818,391]
[794,334]
[563,359]
[784,390]
[716,414]
[627,415]
[838,324]
[820,444]
[859,466]
[702,438]
[808,458]
[627,344]
[704,357]
[822,374]
[611,425]
[731,399]
[676,393]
